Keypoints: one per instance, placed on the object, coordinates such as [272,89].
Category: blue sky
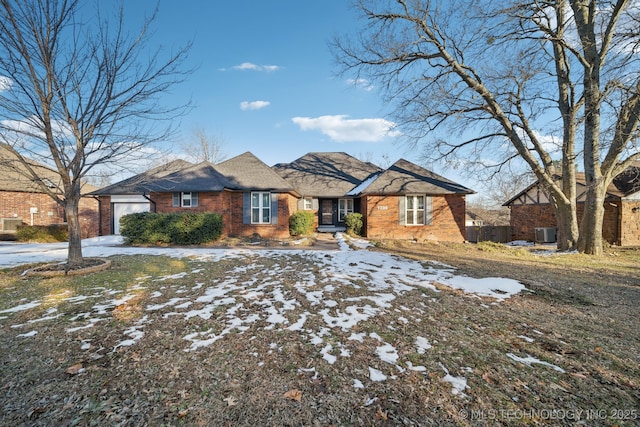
[266,80]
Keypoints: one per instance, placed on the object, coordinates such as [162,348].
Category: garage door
[120,209]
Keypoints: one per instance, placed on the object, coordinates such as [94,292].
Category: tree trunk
[567,222]
[591,241]
[74,257]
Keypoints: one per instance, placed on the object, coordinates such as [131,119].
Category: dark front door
[328,211]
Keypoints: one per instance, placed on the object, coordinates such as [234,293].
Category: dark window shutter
[274,208]
[428,210]
[402,210]
[176,200]
[246,208]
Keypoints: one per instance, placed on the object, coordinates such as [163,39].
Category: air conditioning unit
[545,235]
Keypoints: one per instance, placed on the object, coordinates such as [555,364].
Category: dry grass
[581,313]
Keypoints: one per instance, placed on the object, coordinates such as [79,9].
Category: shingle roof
[332,174]
[15,177]
[140,183]
[404,177]
[247,172]
[197,178]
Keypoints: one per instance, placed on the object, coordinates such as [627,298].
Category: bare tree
[77,94]
[204,147]
[500,78]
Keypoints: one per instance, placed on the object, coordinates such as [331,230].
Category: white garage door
[122,207]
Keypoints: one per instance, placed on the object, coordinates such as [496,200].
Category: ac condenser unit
[545,235]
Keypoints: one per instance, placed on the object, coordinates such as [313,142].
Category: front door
[327,211]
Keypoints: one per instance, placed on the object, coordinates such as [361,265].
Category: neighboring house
[22,201]
[533,218]
[404,201]
[251,197]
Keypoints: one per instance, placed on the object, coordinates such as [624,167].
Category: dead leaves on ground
[293,394]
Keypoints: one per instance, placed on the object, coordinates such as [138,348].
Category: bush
[171,228]
[42,233]
[301,223]
[353,222]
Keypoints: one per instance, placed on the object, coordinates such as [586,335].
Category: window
[414,213]
[185,200]
[307,203]
[260,208]
[345,206]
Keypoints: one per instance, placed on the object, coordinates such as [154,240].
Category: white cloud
[341,129]
[361,83]
[249,66]
[253,105]
[5,83]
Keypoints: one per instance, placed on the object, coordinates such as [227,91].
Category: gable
[247,172]
[405,177]
[331,174]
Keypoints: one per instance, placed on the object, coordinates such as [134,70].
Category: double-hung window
[307,203]
[414,210]
[260,208]
[345,206]
[185,200]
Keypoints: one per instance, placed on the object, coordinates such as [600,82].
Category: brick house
[250,196]
[533,218]
[23,202]
[404,201]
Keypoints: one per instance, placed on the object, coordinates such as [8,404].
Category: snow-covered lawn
[345,288]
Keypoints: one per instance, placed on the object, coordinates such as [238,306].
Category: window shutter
[194,200]
[428,210]
[402,209]
[274,208]
[315,204]
[176,200]
[246,208]
[301,204]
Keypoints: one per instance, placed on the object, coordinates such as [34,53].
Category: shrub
[301,223]
[42,233]
[353,222]
[174,228]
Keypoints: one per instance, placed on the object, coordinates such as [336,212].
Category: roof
[197,178]
[140,183]
[14,176]
[623,185]
[247,172]
[404,177]
[332,174]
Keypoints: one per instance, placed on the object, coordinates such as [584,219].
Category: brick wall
[230,206]
[287,205]
[630,223]
[382,219]
[15,204]
[105,215]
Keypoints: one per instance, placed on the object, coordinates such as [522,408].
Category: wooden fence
[498,234]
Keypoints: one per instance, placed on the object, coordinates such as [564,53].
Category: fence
[498,234]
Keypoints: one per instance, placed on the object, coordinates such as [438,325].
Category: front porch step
[330,229]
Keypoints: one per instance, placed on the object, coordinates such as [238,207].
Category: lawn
[397,334]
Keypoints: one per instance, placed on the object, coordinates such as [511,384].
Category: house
[533,218]
[248,194]
[23,202]
[404,201]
